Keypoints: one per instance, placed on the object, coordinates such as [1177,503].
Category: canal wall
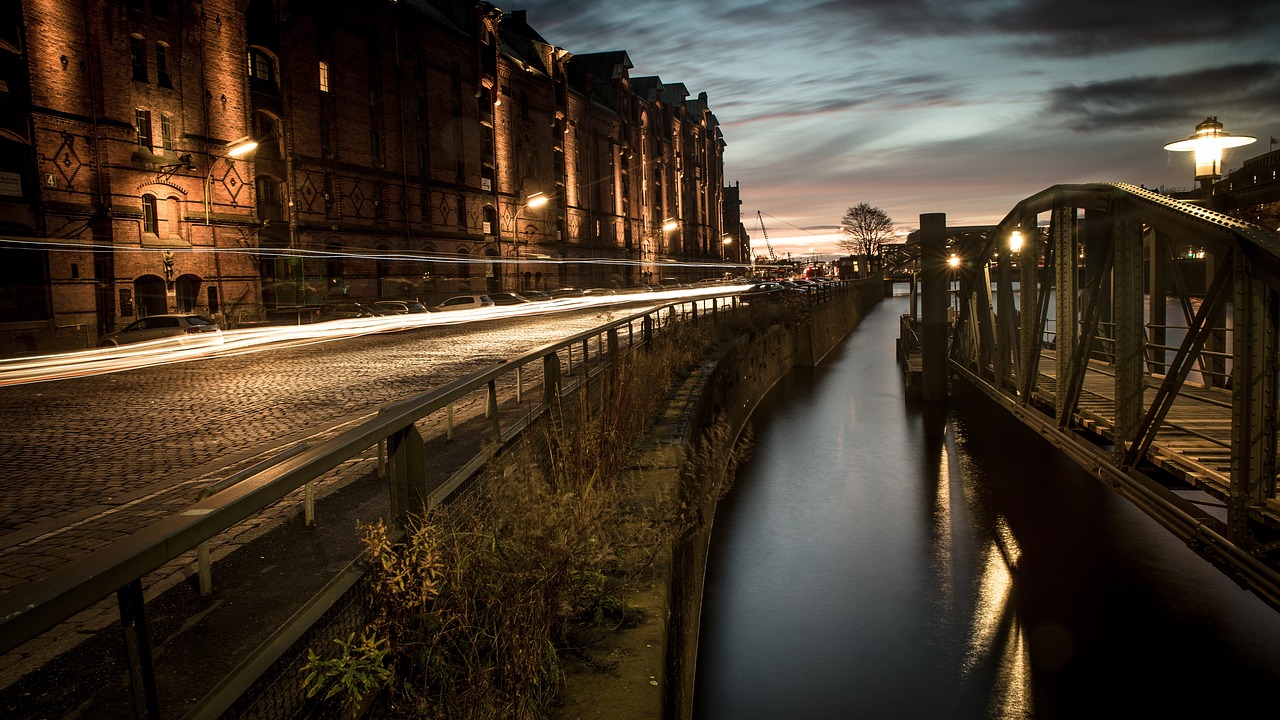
[649,669]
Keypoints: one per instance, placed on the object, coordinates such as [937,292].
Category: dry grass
[477,603]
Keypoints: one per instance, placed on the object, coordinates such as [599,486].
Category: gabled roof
[647,88]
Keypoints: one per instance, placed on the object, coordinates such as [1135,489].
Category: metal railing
[121,567]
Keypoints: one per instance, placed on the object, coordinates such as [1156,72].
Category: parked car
[763,292]
[508,298]
[534,295]
[395,307]
[466,302]
[564,293]
[186,327]
[346,310]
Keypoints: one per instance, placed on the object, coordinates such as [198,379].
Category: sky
[942,106]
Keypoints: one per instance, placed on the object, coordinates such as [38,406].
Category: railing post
[142,678]
[405,452]
[551,383]
[646,331]
[492,406]
[520,385]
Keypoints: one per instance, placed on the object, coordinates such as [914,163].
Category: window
[260,66]
[325,147]
[160,8]
[422,157]
[375,147]
[268,191]
[138,56]
[324,76]
[166,132]
[150,215]
[142,123]
[162,66]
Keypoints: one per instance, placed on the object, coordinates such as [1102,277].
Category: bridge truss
[1071,333]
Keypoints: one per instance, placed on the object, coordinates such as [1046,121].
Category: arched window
[262,71]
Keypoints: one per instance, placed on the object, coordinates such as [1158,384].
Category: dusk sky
[921,106]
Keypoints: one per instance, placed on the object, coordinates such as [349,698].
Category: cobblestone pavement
[85,461]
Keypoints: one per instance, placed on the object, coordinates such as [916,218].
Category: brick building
[398,147]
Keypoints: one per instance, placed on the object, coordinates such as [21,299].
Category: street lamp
[234,149]
[1015,241]
[1208,142]
[534,201]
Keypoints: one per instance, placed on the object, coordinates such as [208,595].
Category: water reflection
[878,559]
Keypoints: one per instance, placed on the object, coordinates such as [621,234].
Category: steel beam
[1062,233]
[1029,332]
[1127,308]
[1253,399]
[1192,343]
[1156,247]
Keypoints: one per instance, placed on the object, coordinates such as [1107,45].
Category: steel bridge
[1156,374]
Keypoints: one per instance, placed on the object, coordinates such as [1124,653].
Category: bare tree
[865,229]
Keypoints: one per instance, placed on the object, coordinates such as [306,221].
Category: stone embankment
[651,667]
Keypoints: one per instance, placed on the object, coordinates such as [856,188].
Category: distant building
[398,148]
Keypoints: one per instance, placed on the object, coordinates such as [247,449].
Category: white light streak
[18,371]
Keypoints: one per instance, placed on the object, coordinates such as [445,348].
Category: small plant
[355,674]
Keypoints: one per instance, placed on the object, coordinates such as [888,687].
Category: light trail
[19,371]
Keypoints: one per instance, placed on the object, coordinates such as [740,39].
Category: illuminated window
[166,132]
[162,66]
[142,124]
[138,57]
[150,215]
[324,76]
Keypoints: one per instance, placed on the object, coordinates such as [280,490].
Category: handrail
[41,605]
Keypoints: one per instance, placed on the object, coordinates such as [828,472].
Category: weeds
[476,603]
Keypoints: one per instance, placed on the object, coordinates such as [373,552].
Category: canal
[878,558]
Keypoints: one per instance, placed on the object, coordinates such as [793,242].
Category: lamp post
[233,149]
[533,202]
[1208,142]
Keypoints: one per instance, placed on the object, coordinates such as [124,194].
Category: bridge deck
[1194,442]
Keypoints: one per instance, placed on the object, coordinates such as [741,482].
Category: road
[89,459]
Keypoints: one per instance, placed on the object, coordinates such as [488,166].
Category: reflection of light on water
[1012,695]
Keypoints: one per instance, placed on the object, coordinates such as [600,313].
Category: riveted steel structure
[1180,417]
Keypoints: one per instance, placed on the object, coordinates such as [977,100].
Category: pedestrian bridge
[1135,332]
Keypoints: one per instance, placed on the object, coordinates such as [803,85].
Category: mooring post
[934,274]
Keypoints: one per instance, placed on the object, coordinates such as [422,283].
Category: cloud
[1243,92]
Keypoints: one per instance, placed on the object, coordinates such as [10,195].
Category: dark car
[764,292]
[186,327]
[347,310]
[508,298]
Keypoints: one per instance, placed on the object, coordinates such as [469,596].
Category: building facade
[413,149]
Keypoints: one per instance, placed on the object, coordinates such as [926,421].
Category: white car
[186,327]
[465,302]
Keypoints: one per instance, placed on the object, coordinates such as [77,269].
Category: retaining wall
[651,668]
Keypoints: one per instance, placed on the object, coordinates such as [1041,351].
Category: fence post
[142,677]
[647,331]
[492,406]
[405,455]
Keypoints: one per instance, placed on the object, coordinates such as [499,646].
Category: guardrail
[120,568]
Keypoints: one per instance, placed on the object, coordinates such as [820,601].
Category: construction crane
[772,258]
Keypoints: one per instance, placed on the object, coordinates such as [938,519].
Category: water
[880,559]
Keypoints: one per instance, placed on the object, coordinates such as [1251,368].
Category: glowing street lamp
[234,149]
[1015,241]
[1208,142]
